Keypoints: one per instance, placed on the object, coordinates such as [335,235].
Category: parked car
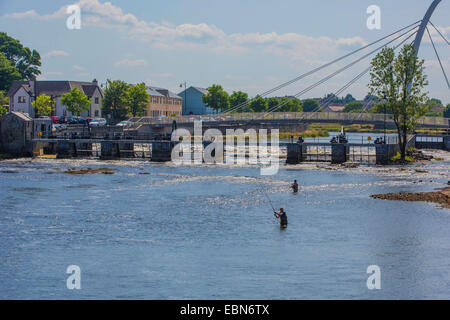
[59,127]
[124,123]
[56,119]
[82,120]
[98,122]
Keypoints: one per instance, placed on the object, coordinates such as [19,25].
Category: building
[23,93]
[334,108]
[16,133]
[193,102]
[163,102]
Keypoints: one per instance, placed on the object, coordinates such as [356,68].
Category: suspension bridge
[411,34]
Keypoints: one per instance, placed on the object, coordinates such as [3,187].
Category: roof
[335,108]
[152,92]
[21,115]
[55,88]
[164,92]
[202,90]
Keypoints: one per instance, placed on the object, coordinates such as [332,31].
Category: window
[21,99]
[96,112]
[96,100]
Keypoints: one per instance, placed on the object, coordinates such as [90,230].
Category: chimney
[32,84]
[95,82]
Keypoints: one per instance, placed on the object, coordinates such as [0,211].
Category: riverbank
[441,196]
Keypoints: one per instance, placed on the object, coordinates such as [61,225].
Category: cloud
[79,68]
[56,53]
[21,15]
[53,73]
[201,36]
[132,63]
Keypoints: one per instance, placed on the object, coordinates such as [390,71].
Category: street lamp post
[384,98]
[185,99]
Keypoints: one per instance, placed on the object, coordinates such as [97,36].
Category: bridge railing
[317,116]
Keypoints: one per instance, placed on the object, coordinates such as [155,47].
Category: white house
[23,93]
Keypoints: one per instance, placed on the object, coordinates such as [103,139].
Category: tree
[8,73]
[447,111]
[311,105]
[348,98]
[115,99]
[216,98]
[4,101]
[355,106]
[290,105]
[43,105]
[137,99]
[380,108]
[238,98]
[400,81]
[25,60]
[75,101]
[434,108]
[258,104]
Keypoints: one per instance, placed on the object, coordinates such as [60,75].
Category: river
[160,231]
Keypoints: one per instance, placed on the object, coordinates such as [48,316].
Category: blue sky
[244,45]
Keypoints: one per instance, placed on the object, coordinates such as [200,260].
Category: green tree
[43,105]
[290,105]
[115,99]
[25,60]
[355,106]
[434,106]
[75,101]
[8,73]
[216,98]
[379,108]
[4,102]
[311,105]
[447,111]
[400,81]
[137,99]
[348,98]
[258,104]
[238,98]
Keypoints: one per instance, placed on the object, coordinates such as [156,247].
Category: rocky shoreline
[440,196]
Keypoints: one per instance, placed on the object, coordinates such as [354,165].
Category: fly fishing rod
[270,201]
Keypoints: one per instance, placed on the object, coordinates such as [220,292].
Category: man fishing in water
[282,216]
[294,186]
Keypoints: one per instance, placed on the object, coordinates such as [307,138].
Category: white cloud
[79,68]
[53,73]
[200,36]
[56,53]
[132,63]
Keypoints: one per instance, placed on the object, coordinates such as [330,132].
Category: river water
[160,231]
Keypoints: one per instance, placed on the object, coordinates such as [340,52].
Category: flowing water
[160,231]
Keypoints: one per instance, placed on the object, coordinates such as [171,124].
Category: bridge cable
[336,73]
[314,70]
[443,37]
[359,76]
[439,59]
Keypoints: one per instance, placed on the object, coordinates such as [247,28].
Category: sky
[248,45]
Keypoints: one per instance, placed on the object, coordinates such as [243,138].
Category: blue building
[193,103]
